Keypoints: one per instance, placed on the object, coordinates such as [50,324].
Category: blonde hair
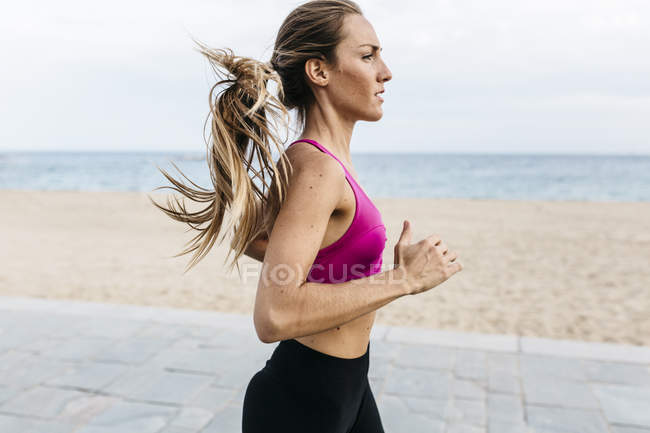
[241,129]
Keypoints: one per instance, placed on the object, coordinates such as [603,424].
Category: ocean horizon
[557,177]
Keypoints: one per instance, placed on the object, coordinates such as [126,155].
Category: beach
[556,269]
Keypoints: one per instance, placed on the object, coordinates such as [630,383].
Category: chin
[373,117]
[377,116]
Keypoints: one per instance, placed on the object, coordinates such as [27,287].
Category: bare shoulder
[309,164]
[302,152]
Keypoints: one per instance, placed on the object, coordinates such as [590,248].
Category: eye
[369,55]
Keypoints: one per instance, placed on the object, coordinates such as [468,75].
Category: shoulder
[310,163]
[316,183]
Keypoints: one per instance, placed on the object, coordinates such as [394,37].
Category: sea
[472,176]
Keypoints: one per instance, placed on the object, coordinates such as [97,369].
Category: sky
[504,76]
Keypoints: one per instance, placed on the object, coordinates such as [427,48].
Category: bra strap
[321,147]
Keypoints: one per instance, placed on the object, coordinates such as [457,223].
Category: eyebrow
[374,47]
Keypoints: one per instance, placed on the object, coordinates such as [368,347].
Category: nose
[386,73]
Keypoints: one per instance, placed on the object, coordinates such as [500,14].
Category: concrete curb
[393,334]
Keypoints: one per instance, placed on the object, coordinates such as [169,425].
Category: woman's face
[360,73]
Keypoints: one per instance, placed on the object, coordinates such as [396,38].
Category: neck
[329,128]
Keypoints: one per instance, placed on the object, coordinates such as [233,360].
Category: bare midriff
[349,340]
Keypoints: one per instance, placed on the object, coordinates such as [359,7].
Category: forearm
[316,307]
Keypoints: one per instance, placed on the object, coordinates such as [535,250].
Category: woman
[319,236]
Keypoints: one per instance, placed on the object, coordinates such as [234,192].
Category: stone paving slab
[72,366]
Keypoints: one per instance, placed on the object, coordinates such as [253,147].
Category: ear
[316,71]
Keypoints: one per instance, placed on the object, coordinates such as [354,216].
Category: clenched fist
[426,263]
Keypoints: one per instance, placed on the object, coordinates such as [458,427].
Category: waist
[294,356]
[291,350]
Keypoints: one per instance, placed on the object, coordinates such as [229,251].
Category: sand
[565,270]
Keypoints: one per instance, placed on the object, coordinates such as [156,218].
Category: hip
[307,387]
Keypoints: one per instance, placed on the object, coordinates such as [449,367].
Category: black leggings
[303,390]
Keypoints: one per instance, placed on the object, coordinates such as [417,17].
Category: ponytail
[242,128]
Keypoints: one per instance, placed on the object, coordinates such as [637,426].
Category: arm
[317,307]
[288,306]
[257,248]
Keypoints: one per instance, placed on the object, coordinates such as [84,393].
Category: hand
[426,263]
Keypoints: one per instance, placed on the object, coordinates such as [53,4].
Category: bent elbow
[265,334]
[267,329]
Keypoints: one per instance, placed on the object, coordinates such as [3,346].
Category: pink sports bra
[358,253]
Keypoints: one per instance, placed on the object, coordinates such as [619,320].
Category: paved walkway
[69,366]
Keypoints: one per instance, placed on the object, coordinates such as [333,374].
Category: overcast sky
[517,76]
